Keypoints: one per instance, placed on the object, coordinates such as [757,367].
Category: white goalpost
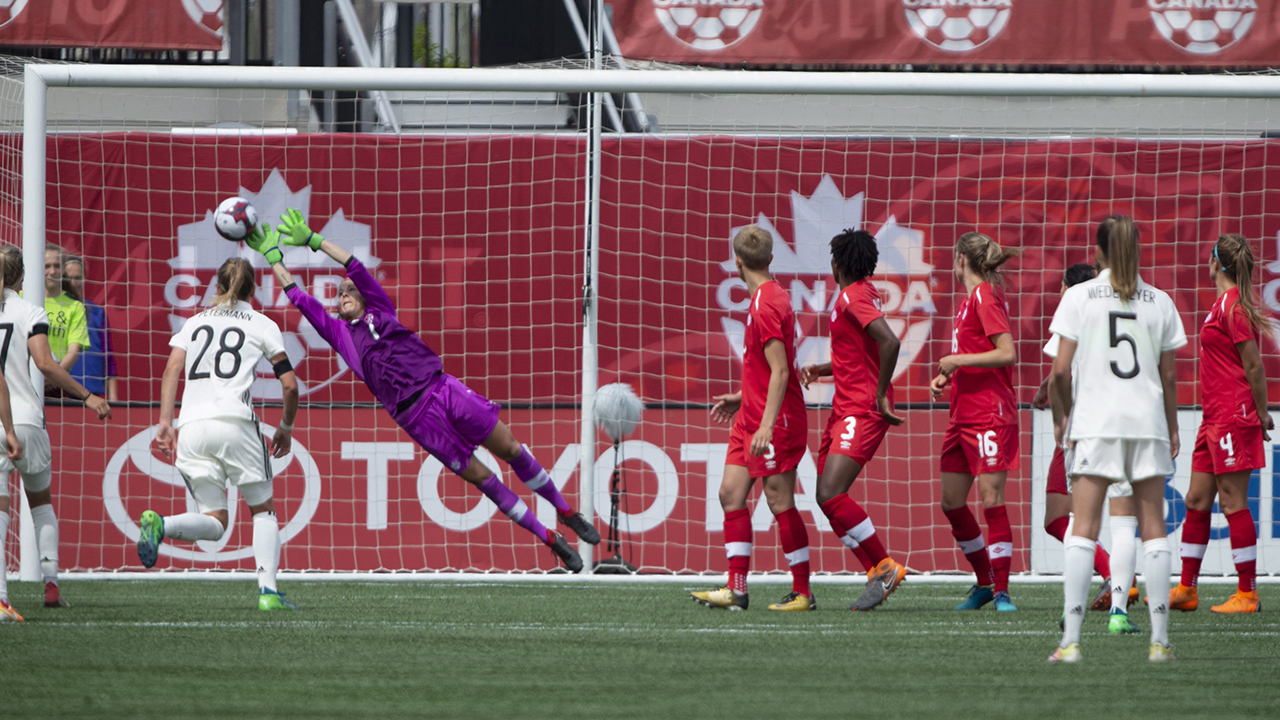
[543,262]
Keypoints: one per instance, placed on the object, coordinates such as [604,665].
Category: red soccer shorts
[1228,448]
[855,436]
[977,449]
[784,453]
[1057,474]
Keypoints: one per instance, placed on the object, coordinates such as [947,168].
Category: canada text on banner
[857,32]
[136,24]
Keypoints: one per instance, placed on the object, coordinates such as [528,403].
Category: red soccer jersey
[981,396]
[855,355]
[1224,391]
[769,317]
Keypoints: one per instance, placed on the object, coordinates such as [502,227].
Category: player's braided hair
[1078,273]
[984,255]
[1118,243]
[1236,260]
[854,253]
[235,281]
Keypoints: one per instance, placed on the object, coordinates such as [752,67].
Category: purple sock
[537,480]
[513,507]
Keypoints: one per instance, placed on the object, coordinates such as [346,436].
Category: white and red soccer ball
[205,13]
[957,25]
[707,24]
[10,9]
[1203,30]
[235,218]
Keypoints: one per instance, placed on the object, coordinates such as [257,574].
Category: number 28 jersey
[224,345]
[1115,375]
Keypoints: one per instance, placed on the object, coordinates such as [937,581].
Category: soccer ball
[957,28]
[1204,31]
[10,9]
[235,218]
[708,27]
[205,13]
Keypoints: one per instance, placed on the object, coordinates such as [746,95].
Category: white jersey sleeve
[19,322]
[1051,347]
[224,345]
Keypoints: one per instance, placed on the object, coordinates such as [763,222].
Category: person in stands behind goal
[1115,406]
[25,340]
[864,353]
[1229,445]
[770,435]
[220,442]
[1057,506]
[982,436]
[448,419]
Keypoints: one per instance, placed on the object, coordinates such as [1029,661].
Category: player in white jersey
[1118,339]
[24,339]
[220,443]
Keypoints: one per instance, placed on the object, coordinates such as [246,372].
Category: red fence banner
[857,32]
[136,24]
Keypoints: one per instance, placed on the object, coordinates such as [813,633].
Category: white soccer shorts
[1121,461]
[35,463]
[214,453]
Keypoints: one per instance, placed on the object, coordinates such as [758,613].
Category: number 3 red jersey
[770,317]
[981,396]
[855,355]
[1224,391]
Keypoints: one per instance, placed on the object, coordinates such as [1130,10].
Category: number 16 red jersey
[981,396]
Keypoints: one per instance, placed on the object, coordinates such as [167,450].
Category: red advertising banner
[859,32]
[136,24]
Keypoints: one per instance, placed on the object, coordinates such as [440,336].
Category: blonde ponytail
[1118,243]
[1236,260]
[984,255]
[235,281]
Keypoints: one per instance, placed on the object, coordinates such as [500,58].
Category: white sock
[1076,576]
[1124,557]
[46,541]
[192,526]
[1158,560]
[4,557]
[266,548]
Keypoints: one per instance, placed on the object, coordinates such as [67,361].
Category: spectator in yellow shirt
[68,321]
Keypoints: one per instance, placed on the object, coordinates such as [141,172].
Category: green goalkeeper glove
[266,241]
[296,233]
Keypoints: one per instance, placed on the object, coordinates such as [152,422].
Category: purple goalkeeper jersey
[390,358]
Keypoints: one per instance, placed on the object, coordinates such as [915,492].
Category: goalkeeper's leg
[503,443]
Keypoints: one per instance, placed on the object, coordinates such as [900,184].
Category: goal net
[474,212]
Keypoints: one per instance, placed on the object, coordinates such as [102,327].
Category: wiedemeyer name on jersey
[19,320]
[1115,370]
[224,344]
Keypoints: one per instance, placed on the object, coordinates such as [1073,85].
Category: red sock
[969,537]
[794,538]
[1244,549]
[1195,539]
[1000,549]
[1058,527]
[737,545]
[855,530]
[1102,562]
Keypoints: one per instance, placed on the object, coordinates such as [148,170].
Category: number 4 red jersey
[981,396]
[855,355]
[770,317]
[1224,390]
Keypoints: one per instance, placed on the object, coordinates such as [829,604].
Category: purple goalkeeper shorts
[451,422]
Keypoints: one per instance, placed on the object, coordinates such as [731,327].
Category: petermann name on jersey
[227,313]
[1102,292]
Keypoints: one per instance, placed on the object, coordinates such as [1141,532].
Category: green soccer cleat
[152,526]
[273,600]
[979,595]
[1120,624]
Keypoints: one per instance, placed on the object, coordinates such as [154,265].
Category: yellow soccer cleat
[723,598]
[7,613]
[1160,652]
[1068,654]
[795,602]
[1241,602]
[1184,598]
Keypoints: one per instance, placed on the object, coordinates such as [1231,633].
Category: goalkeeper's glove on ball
[295,233]
[266,241]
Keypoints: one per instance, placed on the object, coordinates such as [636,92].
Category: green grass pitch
[475,649]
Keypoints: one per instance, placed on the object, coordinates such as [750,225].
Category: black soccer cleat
[568,555]
[581,527]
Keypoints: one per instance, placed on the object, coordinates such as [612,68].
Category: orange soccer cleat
[1133,596]
[1184,598]
[1241,602]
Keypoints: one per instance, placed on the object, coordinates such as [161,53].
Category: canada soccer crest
[957,25]
[11,9]
[200,250]
[803,266]
[708,24]
[1203,27]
